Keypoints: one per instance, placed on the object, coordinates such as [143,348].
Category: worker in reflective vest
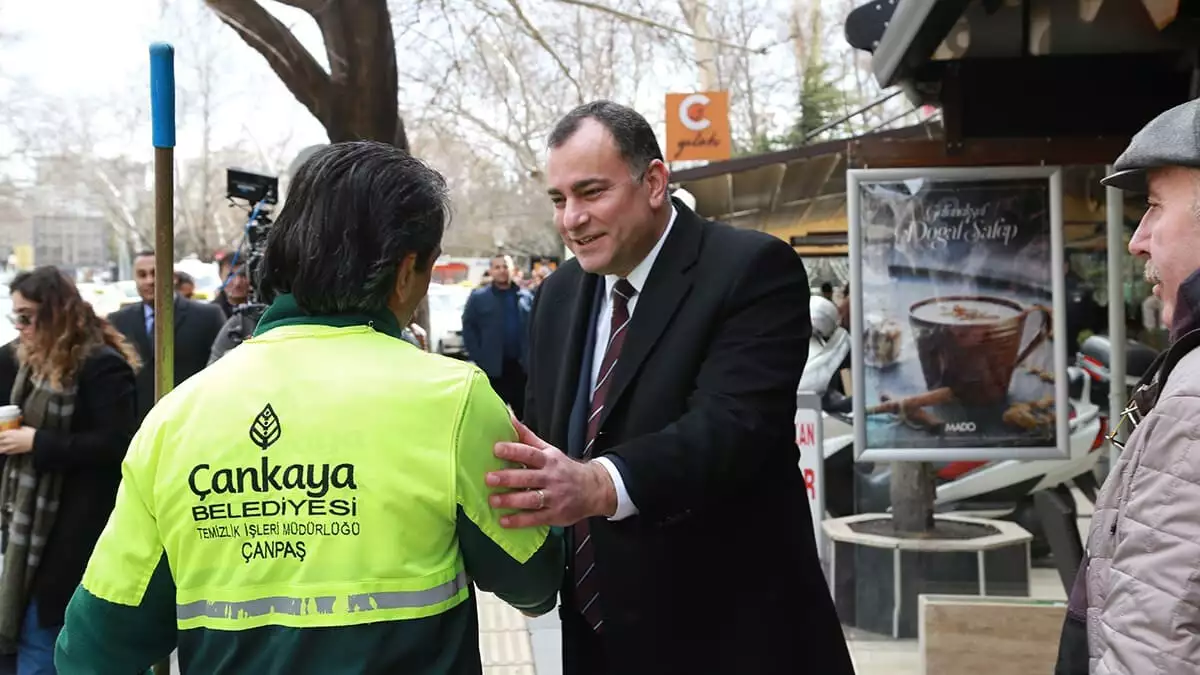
[314,502]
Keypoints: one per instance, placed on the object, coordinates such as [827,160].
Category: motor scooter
[1001,489]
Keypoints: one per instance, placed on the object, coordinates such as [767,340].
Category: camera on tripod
[251,187]
[258,192]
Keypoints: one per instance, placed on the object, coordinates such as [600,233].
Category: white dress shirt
[637,279]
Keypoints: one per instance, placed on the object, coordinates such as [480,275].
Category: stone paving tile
[503,639]
[886,658]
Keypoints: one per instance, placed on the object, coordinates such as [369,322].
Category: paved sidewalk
[513,645]
[504,639]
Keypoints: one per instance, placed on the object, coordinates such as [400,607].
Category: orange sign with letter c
[698,126]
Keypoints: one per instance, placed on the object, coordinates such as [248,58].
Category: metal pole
[846,118]
[162,106]
[1115,202]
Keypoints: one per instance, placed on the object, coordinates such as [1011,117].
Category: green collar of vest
[284,311]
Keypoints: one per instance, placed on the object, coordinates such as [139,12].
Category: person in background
[843,308]
[235,291]
[76,390]
[828,350]
[185,285]
[371,565]
[1084,314]
[495,324]
[1134,606]
[827,291]
[196,327]
[224,259]
[664,362]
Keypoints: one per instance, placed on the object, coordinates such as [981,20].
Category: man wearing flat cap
[1135,607]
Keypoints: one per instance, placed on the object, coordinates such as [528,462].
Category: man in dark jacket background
[196,327]
[495,323]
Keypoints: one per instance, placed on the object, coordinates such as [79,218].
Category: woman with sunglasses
[75,387]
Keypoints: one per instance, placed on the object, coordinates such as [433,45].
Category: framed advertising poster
[957,285]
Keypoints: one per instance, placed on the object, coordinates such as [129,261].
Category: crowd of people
[328,498]
[252,505]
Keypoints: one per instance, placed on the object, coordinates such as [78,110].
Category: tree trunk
[913,492]
[696,14]
[357,98]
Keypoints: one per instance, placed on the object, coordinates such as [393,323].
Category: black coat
[718,573]
[197,325]
[89,458]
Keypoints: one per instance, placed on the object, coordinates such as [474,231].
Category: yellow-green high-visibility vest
[310,478]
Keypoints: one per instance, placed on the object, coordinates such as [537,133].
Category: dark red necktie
[587,591]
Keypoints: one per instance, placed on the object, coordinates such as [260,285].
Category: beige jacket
[1143,574]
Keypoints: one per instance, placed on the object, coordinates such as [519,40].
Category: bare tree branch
[537,37]
[654,24]
[311,6]
[296,67]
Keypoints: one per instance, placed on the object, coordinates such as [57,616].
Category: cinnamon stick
[892,406]
[915,416]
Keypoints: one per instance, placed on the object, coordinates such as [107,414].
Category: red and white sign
[812,465]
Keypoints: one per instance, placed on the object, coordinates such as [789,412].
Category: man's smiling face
[604,213]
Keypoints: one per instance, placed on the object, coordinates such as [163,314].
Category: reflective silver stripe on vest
[359,602]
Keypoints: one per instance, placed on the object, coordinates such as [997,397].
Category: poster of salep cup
[957,281]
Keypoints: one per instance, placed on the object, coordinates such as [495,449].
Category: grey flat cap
[1171,139]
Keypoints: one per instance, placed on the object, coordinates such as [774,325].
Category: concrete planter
[877,578]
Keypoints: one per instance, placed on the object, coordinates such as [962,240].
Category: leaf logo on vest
[266,428]
[261,502]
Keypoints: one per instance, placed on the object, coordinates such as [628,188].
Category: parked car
[446,303]
[8,332]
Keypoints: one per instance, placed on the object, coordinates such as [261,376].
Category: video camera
[259,193]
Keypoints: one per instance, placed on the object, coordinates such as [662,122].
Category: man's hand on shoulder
[552,489]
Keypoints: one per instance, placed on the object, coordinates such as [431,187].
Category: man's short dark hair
[354,211]
[144,253]
[827,288]
[633,134]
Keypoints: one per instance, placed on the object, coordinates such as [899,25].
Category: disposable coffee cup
[10,417]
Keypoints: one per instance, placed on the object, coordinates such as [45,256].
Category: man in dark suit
[495,321]
[664,361]
[196,327]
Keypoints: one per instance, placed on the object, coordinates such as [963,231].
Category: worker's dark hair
[354,211]
[633,134]
[827,288]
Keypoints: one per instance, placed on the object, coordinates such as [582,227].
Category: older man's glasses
[1131,417]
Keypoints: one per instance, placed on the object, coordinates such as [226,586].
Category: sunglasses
[21,320]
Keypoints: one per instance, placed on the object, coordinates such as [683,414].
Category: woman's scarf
[28,500]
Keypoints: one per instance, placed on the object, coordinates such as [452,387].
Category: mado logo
[960,427]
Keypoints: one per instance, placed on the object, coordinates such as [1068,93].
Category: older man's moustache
[1151,273]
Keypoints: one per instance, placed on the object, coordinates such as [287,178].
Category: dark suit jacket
[718,573]
[197,325]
